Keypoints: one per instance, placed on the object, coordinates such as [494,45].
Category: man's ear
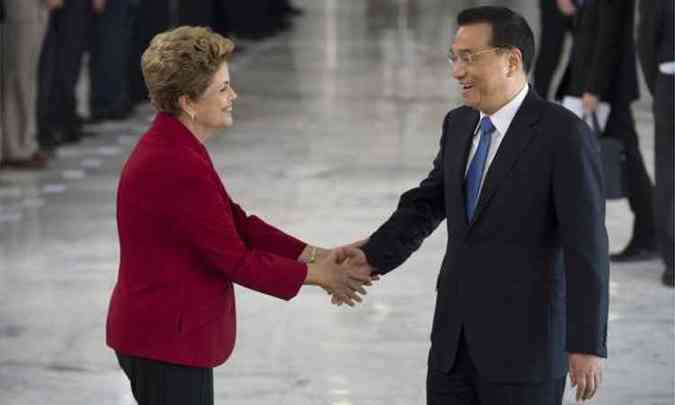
[515,60]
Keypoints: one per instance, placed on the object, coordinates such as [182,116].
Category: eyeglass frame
[468,58]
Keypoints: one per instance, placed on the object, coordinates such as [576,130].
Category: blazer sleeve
[206,226]
[580,210]
[420,210]
[257,234]
[608,46]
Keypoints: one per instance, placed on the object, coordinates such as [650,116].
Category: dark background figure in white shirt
[656,51]
[603,67]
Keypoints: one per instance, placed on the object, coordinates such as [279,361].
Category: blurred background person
[656,52]
[25,24]
[603,67]
[250,20]
[555,17]
[64,45]
[108,59]
[2,47]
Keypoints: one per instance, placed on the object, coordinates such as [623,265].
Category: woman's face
[213,109]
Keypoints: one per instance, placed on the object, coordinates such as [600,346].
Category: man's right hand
[344,280]
[355,257]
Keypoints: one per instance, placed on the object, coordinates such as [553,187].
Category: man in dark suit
[555,17]
[656,44]
[60,61]
[518,180]
[603,68]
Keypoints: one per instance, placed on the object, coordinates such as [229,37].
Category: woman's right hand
[343,280]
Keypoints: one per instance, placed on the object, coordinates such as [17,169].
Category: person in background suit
[555,22]
[108,58]
[59,70]
[25,24]
[603,68]
[519,182]
[2,57]
[656,45]
[184,242]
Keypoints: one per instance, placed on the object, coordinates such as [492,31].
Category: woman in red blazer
[184,242]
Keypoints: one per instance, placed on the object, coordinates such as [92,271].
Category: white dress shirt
[502,121]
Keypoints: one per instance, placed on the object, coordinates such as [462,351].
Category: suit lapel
[459,156]
[517,137]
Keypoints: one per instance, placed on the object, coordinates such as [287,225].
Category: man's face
[480,69]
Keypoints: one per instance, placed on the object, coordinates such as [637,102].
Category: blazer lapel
[515,140]
[459,156]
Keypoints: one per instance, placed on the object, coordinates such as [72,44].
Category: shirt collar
[503,117]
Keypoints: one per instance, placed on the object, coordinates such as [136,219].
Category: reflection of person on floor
[518,181]
[184,243]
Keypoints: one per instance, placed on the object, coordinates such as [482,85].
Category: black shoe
[668,277]
[292,10]
[635,252]
[48,141]
[118,114]
[75,135]
[37,160]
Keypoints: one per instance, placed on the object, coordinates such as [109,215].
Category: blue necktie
[475,173]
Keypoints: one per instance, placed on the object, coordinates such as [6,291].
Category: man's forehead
[472,36]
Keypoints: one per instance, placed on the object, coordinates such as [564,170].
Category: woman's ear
[185,105]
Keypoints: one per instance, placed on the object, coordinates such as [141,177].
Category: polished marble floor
[334,120]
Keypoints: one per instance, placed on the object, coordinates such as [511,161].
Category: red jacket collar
[172,130]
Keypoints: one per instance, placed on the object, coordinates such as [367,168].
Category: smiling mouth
[466,87]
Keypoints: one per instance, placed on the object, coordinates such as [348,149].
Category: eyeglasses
[467,58]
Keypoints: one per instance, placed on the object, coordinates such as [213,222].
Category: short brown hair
[181,62]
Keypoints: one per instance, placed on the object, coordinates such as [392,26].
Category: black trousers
[554,26]
[59,68]
[151,18]
[158,383]
[621,125]
[108,59]
[664,149]
[463,386]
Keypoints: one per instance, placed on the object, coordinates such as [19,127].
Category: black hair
[509,29]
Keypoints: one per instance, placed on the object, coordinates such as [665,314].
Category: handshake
[343,272]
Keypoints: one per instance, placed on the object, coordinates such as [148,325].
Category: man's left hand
[586,374]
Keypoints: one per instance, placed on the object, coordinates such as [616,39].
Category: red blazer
[183,243]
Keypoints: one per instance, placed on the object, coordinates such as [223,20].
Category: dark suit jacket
[655,37]
[502,278]
[183,244]
[603,56]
